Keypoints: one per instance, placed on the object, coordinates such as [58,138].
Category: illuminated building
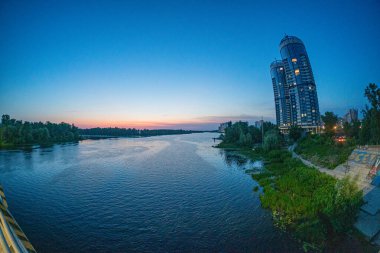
[294,87]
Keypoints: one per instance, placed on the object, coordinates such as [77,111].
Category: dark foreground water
[158,194]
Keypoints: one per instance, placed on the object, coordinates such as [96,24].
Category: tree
[370,132]
[5,119]
[352,130]
[330,120]
[372,92]
[295,132]
[272,140]
[242,139]
[256,134]
[243,135]
[16,132]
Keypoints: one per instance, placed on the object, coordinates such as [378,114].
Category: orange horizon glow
[206,122]
[180,122]
[139,124]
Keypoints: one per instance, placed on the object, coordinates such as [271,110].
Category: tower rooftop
[289,40]
[276,64]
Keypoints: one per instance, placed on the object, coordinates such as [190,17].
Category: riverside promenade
[360,165]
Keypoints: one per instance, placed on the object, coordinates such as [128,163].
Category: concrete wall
[368,158]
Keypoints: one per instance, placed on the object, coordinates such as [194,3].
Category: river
[157,194]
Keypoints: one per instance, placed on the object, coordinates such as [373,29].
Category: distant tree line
[17,132]
[241,134]
[131,132]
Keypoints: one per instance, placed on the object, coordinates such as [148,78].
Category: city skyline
[189,65]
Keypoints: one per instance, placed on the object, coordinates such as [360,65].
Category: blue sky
[188,64]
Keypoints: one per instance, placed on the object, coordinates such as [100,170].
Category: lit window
[297,72]
[281,68]
[294,60]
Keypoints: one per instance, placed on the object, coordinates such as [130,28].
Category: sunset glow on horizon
[202,123]
[189,65]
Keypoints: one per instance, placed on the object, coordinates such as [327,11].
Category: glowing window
[294,60]
[281,68]
[297,72]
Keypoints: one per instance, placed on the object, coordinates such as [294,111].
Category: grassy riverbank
[324,151]
[316,208]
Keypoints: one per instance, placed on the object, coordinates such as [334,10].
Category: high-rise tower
[281,94]
[300,88]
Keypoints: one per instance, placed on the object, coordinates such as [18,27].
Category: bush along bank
[324,151]
[316,208]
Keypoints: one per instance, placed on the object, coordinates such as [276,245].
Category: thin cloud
[243,117]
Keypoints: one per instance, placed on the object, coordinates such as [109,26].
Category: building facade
[281,94]
[294,87]
[351,116]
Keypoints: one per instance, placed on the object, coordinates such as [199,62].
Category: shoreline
[352,238]
[7,146]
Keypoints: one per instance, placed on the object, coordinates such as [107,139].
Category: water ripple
[157,194]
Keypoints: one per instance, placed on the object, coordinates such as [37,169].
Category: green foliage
[370,132]
[295,133]
[240,134]
[16,132]
[316,207]
[372,93]
[330,119]
[272,140]
[324,151]
[352,130]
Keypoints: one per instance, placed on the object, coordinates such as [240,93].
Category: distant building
[294,88]
[222,127]
[350,116]
[340,122]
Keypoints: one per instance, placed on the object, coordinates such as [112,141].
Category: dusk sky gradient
[176,64]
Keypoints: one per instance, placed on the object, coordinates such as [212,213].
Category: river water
[157,194]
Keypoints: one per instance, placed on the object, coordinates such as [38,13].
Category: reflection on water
[157,194]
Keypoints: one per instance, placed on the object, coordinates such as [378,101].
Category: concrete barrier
[367,158]
[365,161]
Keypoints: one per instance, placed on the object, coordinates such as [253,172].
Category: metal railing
[12,238]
